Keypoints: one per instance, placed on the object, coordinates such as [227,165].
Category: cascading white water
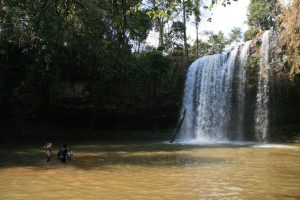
[208,94]
[214,96]
[241,76]
[262,98]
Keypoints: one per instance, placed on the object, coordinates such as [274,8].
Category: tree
[140,24]
[175,38]
[217,42]
[203,49]
[251,33]
[196,11]
[235,35]
[161,11]
[261,16]
[262,13]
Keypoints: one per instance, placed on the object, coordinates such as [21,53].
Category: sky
[223,19]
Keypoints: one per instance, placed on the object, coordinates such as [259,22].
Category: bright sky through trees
[223,19]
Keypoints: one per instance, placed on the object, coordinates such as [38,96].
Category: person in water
[62,153]
[48,151]
[69,154]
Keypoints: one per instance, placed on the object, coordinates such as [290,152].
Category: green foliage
[235,35]
[162,11]
[203,49]
[252,67]
[253,63]
[140,24]
[251,33]
[156,61]
[174,40]
[49,47]
[262,13]
[215,44]
[261,16]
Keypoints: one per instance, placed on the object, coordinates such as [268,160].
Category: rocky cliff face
[283,93]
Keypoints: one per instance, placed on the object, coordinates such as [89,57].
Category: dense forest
[74,64]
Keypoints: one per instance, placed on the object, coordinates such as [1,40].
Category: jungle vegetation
[91,57]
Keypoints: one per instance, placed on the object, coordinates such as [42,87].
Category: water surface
[135,170]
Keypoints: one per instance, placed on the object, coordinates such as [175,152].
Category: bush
[251,33]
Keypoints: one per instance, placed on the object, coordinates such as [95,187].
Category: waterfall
[262,98]
[241,76]
[208,96]
[215,92]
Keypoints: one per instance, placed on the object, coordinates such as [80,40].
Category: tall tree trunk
[161,32]
[160,22]
[184,33]
[124,21]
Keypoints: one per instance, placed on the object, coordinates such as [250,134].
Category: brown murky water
[153,171]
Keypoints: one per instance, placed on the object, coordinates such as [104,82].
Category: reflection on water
[153,171]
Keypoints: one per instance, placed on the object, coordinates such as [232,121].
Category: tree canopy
[261,16]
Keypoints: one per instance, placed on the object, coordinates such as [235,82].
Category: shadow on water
[107,155]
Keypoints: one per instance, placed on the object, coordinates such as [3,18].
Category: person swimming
[69,154]
[48,150]
[62,153]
